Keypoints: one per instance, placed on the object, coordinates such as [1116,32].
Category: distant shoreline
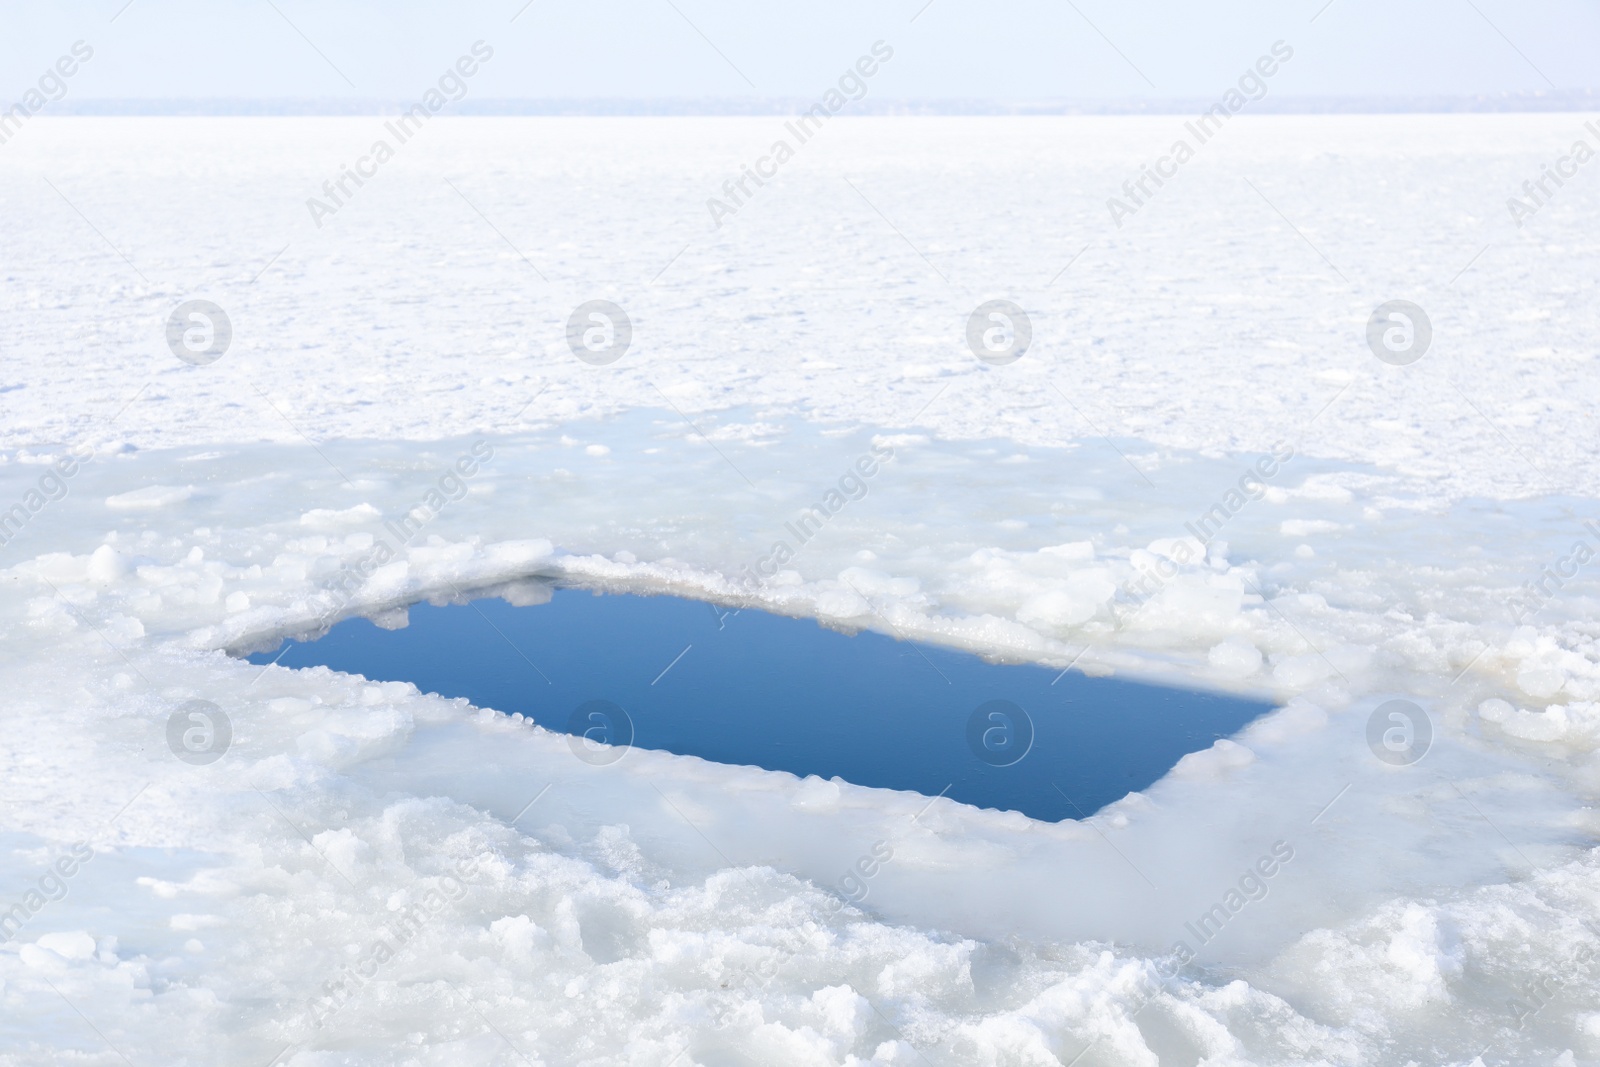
[1508,103]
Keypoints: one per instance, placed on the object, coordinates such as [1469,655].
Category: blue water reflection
[749,687]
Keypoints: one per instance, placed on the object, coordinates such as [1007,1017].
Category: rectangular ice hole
[750,687]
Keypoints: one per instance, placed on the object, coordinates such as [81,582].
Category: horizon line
[1575,100]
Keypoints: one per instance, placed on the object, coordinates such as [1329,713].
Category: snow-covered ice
[361,877]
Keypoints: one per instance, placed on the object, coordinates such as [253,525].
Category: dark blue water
[748,687]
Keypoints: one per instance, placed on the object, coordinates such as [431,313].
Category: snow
[370,874]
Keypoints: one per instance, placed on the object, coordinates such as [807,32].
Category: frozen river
[1200,473]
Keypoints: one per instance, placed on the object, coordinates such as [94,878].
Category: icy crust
[1174,328]
[273,905]
[679,912]
[375,875]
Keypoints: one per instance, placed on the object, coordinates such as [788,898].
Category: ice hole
[744,686]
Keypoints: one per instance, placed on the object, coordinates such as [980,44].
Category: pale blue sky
[673,49]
